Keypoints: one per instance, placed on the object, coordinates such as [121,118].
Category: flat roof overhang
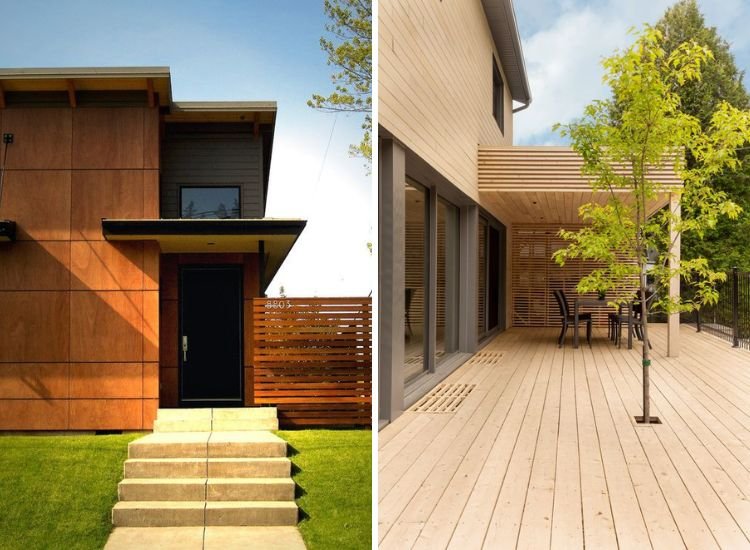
[7,230]
[544,185]
[154,80]
[275,237]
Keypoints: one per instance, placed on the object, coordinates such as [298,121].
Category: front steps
[191,473]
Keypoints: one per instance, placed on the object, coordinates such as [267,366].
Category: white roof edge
[84,72]
[504,28]
[223,106]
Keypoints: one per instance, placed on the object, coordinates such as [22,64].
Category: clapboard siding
[212,155]
[435,84]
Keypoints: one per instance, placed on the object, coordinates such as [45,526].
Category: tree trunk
[646,362]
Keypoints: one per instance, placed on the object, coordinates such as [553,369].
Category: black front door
[210,340]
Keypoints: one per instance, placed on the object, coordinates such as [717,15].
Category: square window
[209,202]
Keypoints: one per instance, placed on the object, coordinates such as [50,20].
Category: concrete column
[391,252]
[673,322]
[467,279]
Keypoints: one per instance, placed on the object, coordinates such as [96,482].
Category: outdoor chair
[636,321]
[568,318]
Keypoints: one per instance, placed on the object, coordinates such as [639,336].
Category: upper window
[498,103]
[210,202]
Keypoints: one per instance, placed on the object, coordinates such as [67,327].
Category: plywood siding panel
[42,138]
[151,325]
[34,414]
[35,265]
[108,138]
[435,63]
[150,407]
[34,326]
[151,138]
[98,194]
[151,194]
[106,414]
[101,265]
[151,260]
[39,202]
[151,380]
[106,380]
[33,380]
[106,326]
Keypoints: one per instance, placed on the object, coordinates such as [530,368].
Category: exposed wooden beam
[2,96]
[150,91]
[71,93]
[256,125]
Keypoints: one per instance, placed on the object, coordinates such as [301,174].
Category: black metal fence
[729,318]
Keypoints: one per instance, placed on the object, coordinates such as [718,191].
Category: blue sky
[232,50]
[564,40]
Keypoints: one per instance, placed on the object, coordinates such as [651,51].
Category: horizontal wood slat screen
[536,275]
[312,359]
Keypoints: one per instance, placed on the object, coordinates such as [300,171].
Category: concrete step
[247,444]
[251,513]
[196,489]
[188,513]
[239,489]
[158,514]
[221,419]
[216,424]
[145,489]
[202,468]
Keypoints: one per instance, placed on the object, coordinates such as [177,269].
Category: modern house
[132,242]
[467,221]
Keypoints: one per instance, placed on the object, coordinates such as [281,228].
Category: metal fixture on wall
[7,140]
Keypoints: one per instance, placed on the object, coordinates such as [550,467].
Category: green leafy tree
[623,141]
[349,50]
[725,245]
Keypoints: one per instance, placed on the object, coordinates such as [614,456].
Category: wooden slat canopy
[545,184]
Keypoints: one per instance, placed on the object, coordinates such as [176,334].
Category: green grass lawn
[58,491]
[332,469]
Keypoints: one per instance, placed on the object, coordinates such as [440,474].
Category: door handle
[184,349]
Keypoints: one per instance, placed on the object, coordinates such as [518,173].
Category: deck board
[544,452]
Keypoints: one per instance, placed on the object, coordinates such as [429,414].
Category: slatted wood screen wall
[535,275]
[312,359]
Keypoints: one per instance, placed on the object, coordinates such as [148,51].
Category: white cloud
[563,57]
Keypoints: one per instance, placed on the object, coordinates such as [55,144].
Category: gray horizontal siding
[212,155]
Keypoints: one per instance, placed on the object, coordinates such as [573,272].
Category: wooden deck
[544,452]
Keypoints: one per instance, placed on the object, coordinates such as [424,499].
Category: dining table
[597,303]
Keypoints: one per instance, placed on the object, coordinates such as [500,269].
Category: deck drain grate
[486,358]
[445,398]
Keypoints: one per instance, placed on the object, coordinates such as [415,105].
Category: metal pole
[735,308]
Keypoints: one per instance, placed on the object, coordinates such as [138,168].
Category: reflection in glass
[482,276]
[447,281]
[210,202]
[414,276]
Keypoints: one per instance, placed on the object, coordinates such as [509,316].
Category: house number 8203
[278,304]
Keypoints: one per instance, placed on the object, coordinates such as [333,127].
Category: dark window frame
[498,96]
[203,186]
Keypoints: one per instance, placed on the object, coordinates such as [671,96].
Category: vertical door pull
[184,349]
